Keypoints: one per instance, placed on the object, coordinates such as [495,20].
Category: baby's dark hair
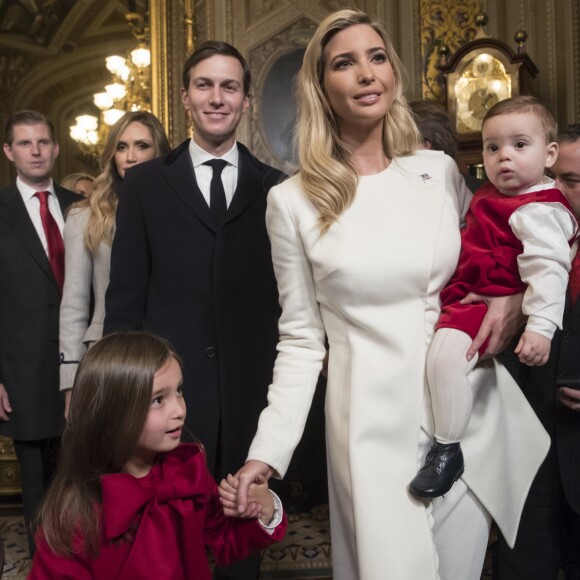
[526,104]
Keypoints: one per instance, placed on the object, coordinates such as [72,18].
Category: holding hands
[260,503]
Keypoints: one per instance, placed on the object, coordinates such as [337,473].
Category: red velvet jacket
[176,512]
[489,251]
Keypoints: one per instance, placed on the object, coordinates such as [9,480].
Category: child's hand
[228,496]
[533,349]
[260,494]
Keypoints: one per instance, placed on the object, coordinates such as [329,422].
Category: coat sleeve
[233,539]
[126,296]
[301,348]
[47,565]
[76,296]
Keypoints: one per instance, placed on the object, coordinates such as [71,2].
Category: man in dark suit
[549,533]
[191,261]
[31,275]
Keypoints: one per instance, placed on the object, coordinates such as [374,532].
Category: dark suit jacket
[539,386]
[207,287]
[567,421]
[29,304]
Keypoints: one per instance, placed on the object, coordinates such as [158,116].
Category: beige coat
[83,271]
[372,284]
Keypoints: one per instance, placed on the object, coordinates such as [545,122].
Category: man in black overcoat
[31,406]
[549,534]
[197,269]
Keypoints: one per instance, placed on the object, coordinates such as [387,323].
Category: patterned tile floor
[304,554]
[13,534]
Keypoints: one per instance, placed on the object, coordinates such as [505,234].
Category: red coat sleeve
[232,539]
[47,565]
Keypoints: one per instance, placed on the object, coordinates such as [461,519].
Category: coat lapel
[249,184]
[573,312]
[178,172]
[66,198]
[14,213]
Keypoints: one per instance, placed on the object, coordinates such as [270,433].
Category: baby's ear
[551,154]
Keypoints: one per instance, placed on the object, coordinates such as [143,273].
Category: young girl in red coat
[129,500]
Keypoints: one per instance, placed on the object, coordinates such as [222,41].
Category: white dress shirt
[204,173]
[32,204]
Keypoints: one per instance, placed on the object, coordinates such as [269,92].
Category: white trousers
[460,526]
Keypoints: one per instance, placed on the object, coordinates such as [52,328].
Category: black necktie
[217,194]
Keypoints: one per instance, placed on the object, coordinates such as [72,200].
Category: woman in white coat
[363,240]
[88,234]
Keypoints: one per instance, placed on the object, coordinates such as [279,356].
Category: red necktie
[53,239]
[574,281]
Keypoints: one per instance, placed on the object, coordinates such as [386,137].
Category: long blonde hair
[326,170]
[103,201]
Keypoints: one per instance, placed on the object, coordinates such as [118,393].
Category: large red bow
[182,474]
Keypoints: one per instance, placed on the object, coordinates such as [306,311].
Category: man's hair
[213,48]
[526,104]
[27,118]
[433,124]
[571,134]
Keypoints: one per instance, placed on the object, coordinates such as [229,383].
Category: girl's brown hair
[109,406]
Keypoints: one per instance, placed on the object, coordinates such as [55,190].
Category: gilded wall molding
[172,33]
[576,57]
[416,71]
[443,22]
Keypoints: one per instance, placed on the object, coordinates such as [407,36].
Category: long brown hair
[103,201]
[109,406]
[326,172]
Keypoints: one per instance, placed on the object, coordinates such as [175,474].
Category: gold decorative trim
[159,70]
[549,21]
[443,22]
[576,56]
[168,53]
[417,71]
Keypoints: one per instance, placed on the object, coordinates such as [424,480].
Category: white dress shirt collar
[199,156]
[28,192]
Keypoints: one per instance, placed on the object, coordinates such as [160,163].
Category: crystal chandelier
[129,91]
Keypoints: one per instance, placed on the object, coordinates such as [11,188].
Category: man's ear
[246,103]
[184,98]
[8,152]
[551,153]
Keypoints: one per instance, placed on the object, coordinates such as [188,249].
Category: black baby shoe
[442,467]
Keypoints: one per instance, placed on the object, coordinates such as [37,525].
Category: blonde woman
[363,240]
[80,183]
[88,234]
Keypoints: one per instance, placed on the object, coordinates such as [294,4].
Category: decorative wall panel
[448,22]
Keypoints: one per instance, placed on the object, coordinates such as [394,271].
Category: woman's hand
[228,497]
[246,476]
[501,323]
